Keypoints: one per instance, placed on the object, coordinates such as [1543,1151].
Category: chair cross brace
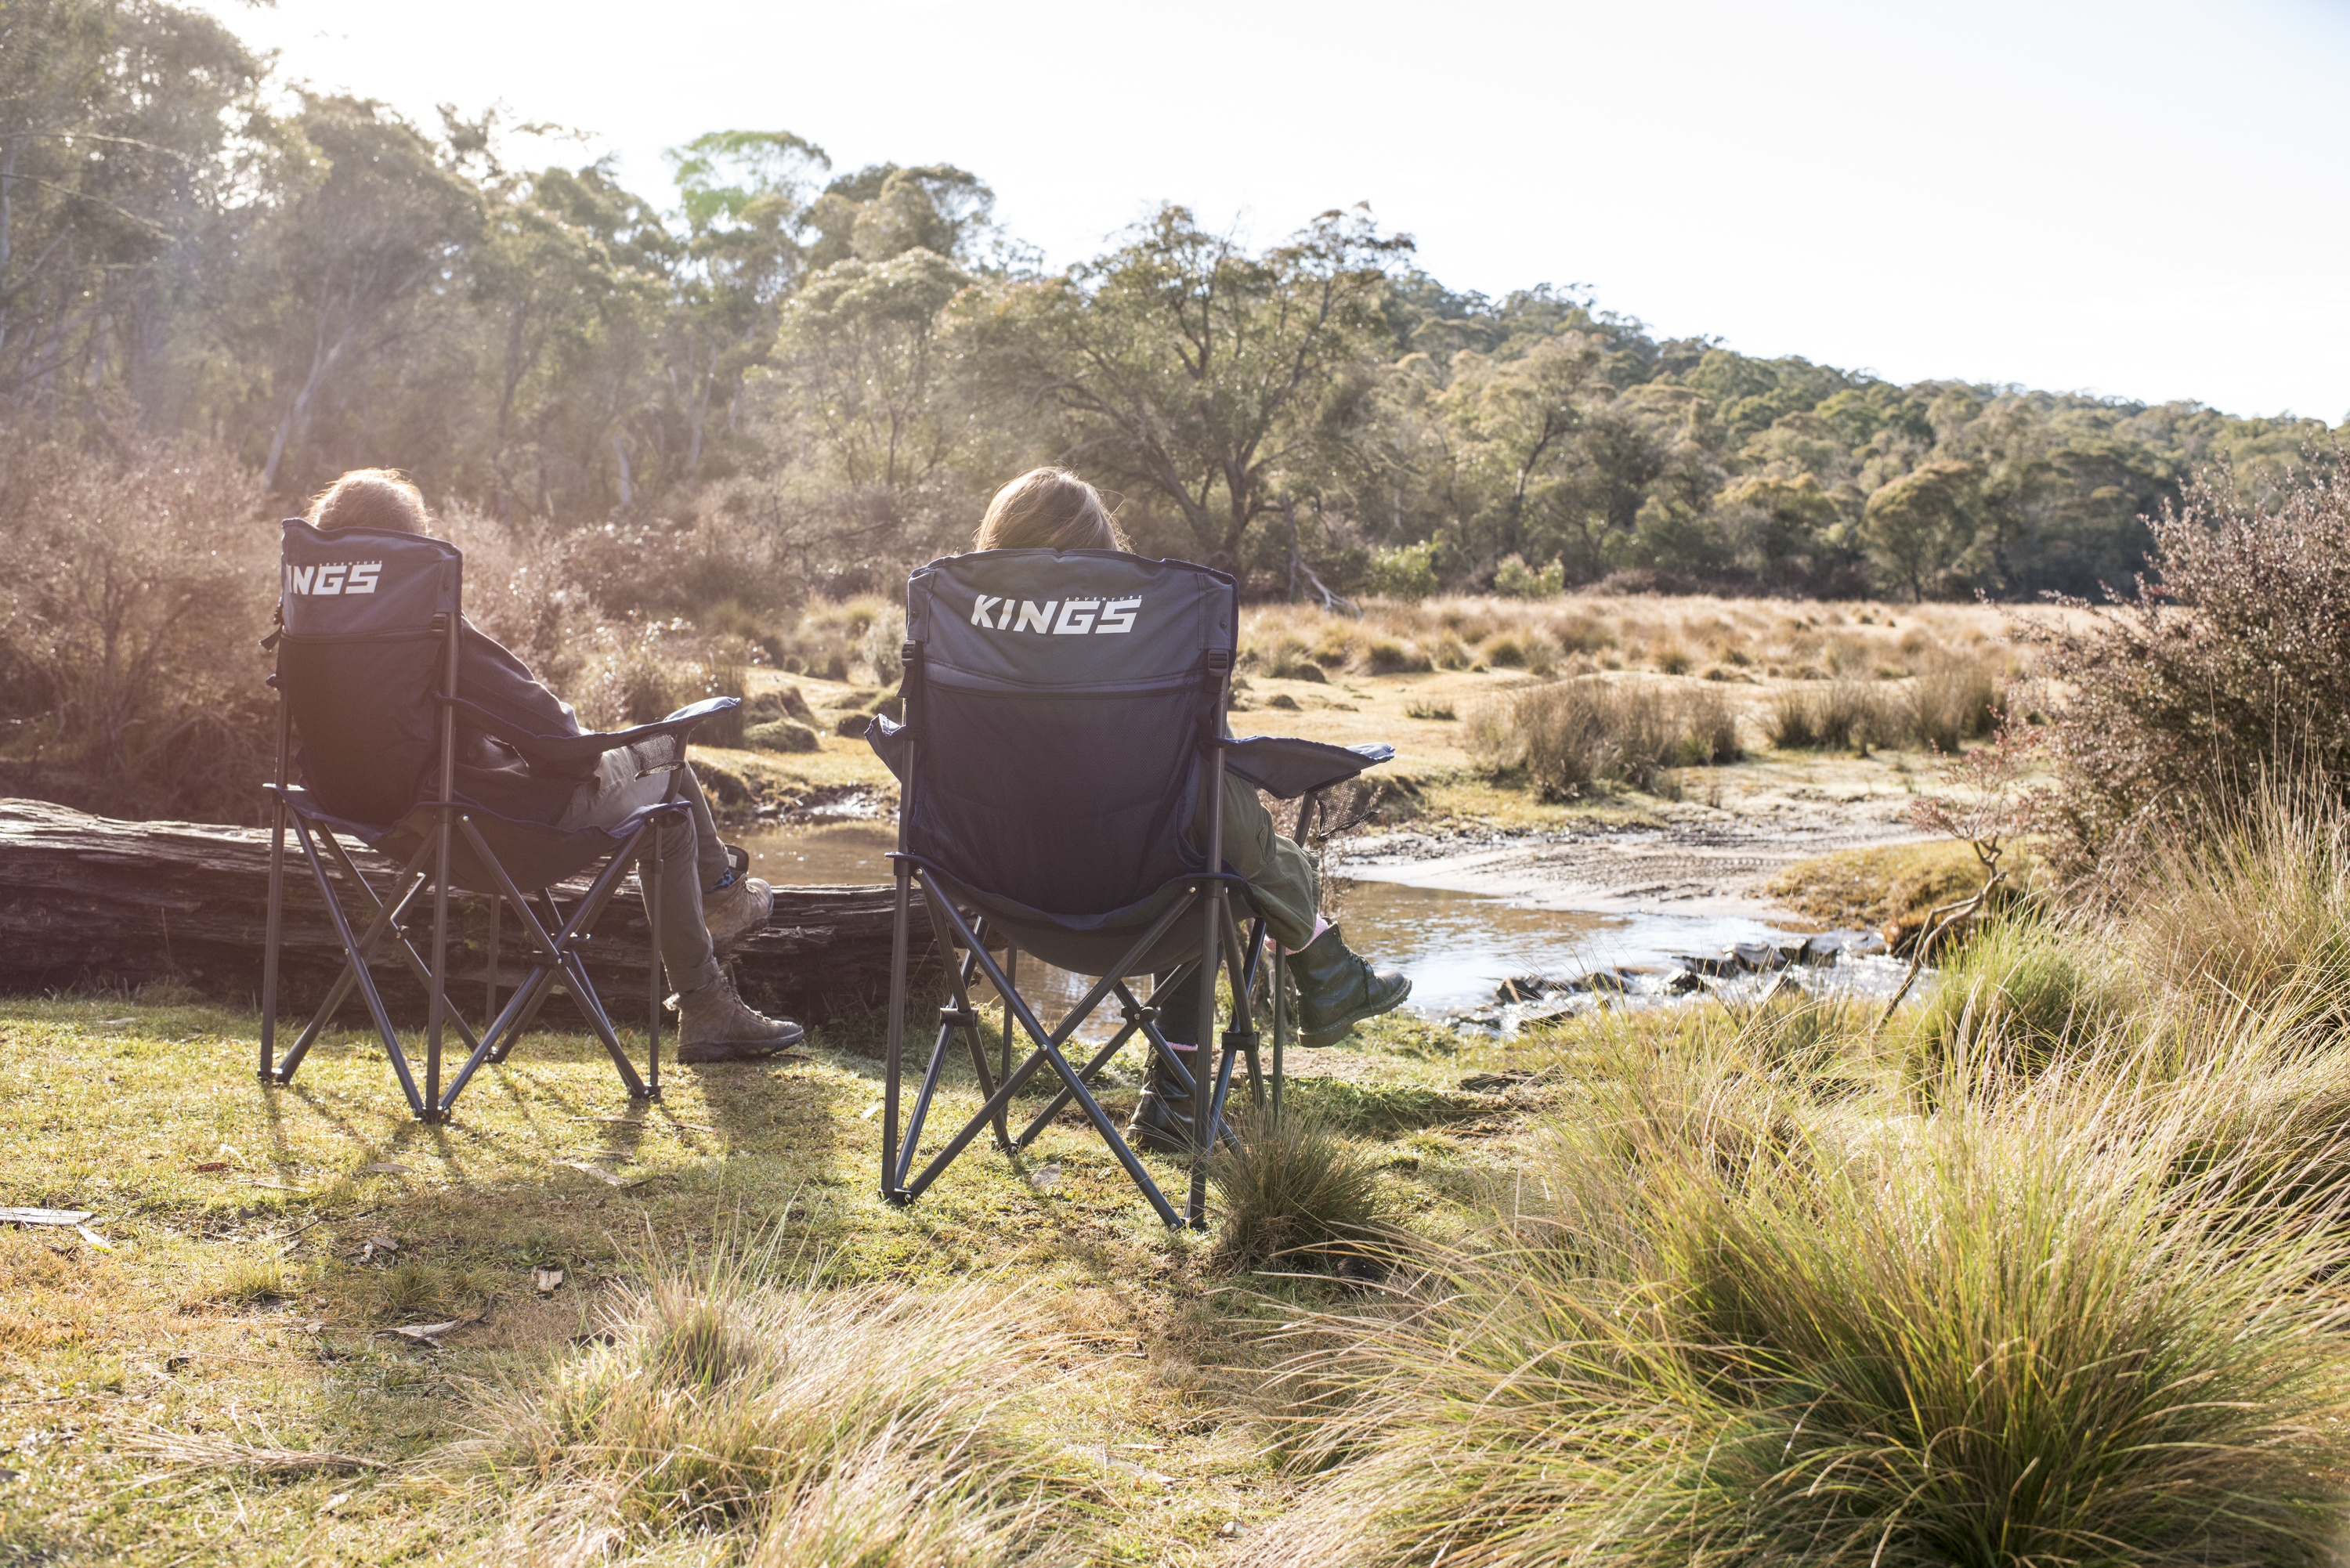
[953,931]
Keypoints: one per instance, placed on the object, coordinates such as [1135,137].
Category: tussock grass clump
[1840,715]
[1574,734]
[1953,700]
[785,1424]
[1295,1192]
[2005,1335]
[2017,995]
[2256,911]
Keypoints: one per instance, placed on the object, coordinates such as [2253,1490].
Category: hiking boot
[737,909]
[713,1025]
[1162,1118]
[1336,991]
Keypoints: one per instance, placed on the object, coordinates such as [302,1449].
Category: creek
[1457,946]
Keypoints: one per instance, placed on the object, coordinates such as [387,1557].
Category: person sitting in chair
[701,911]
[1053,509]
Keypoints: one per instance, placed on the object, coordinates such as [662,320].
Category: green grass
[235,1307]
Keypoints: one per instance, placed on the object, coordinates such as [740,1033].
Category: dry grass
[1577,633]
[1574,735]
[1721,1320]
[772,1419]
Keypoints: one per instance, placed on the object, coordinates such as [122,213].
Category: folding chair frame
[1219,956]
[555,943]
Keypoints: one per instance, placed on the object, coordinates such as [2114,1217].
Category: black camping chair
[370,622]
[1064,711]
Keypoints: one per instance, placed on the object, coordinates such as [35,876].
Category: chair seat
[1089,944]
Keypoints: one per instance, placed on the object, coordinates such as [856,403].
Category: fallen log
[95,903]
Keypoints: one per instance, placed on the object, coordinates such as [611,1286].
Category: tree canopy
[853,360]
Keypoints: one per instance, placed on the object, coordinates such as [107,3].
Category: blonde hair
[370,498]
[1048,509]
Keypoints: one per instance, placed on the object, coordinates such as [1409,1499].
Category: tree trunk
[89,902]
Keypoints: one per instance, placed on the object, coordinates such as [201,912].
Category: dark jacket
[502,704]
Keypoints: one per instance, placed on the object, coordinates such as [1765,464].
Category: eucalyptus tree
[1185,364]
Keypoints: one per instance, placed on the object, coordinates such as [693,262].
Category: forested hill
[852,361]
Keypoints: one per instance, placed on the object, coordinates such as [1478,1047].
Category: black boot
[1162,1117]
[1162,1120]
[1336,991]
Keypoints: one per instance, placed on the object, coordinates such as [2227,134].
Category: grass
[1718,1321]
[235,1307]
[1295,1193]
[1573,735]
[777,1420]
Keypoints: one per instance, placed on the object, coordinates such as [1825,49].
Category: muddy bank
[1684,860]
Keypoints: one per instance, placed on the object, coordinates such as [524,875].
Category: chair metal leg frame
[1047,1053]
[960,1016]
[359,952]
[416,964]
[552,917]
[1142,1018]
[558,954]
[404,888]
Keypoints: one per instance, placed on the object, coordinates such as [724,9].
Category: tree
[1190,367]
[372,224]
[1924,529]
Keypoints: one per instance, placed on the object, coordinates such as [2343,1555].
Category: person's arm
[491,677]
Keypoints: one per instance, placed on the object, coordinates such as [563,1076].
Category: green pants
[1280,875]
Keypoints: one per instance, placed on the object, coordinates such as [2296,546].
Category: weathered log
[93,902]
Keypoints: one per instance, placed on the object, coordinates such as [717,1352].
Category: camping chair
[1064,715]
[368,655]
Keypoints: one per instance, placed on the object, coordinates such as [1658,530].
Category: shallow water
[1456,947]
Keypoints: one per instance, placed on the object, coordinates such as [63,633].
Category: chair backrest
[361,658]
[1058,700]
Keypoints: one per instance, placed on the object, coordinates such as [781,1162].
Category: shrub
[1506,652]
[630,676]
[781,735]
[1386,656]
[1408,574]
[1294,1191]
[1839,716]
[139,578]
[1428,708]
[2234,658]
[1513,580]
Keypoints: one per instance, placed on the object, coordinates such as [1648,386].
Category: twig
[1935,923]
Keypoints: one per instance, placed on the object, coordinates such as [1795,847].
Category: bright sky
[2135,198]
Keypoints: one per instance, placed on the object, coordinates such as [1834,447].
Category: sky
[2142,200]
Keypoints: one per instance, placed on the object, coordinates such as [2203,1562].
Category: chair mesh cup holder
[369,642]
[1064,724]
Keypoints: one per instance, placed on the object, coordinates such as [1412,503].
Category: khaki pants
[1280,875]
[693,857]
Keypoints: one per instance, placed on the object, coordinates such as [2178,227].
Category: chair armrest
[558,748]
[1285,766]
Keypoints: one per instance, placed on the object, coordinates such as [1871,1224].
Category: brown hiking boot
[713,1025]
[738,910]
